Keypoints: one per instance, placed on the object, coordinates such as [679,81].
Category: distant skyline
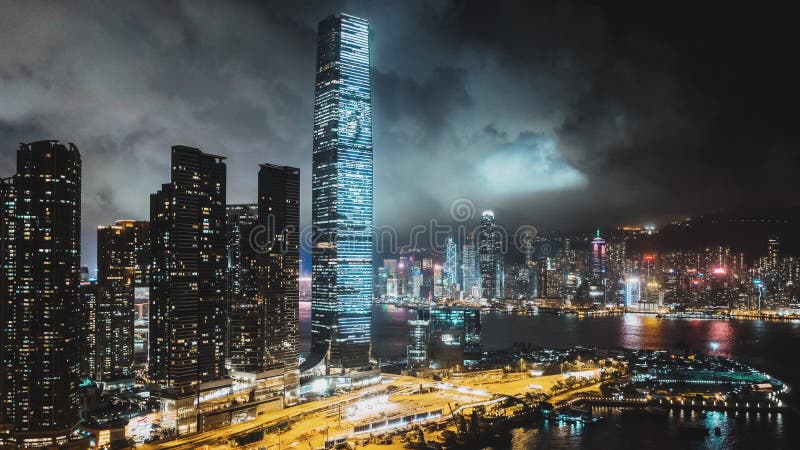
[562,115]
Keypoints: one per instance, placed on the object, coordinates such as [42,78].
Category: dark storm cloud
[558,114]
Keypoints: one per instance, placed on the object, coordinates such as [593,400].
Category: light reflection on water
[743,431]
[769,346]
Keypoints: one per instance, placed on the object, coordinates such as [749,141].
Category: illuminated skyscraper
[279,268]
[633,291]
[244,333]
[469,267]
[391,267]
[123,251]
[773,253]
[438,281]
[239,218]
[598,258]
[8,214]
[342,195]
[450,267]
[455,336]
[41,340]
[187,289]
[489,257]
[417,350]
[88,328]
[416,282]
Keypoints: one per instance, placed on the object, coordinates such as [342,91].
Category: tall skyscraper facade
[598,257]
[240,218]
[469,267]
[42,216]
[88,328]
[450,267]
[8,205]
[244,333]
[123,253]
[187,288]
[342,196]
[279,268]
[490,257]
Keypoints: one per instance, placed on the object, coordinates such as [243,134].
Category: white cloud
[530,164]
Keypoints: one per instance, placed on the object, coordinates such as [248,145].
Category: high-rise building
[245,335]
[391,287]
[8,215]
[469,268]
[381,281]
[404,276]
[187,289]
[279,268]
[263,281]
[633,291]
[342,197]
[450,267]
[598,258]
[489,257]
[417,350]
[438,281]
[455,336]
[391,267]
[416,282]
[239,218]
[41,337]
[88,329]
[773,253]
[123,252]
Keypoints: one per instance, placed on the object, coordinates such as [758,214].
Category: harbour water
[773,347]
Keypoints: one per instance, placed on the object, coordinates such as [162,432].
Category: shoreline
[771,316]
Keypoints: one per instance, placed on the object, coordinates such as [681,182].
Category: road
[315,422]
[295,412]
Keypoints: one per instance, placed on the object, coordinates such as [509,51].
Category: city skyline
[501,92]
[503,216]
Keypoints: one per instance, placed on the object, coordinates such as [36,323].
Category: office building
[418,341]
[490,263]
[455,336]
[598,258]
[469,268]
[342,198]
[450,267]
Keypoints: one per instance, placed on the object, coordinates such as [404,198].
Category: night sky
[560,115]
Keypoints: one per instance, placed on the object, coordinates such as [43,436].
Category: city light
[434,279]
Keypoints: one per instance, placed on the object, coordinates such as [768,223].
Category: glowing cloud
[531,163]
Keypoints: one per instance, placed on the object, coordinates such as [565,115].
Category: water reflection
[770,346]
